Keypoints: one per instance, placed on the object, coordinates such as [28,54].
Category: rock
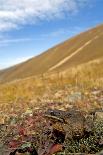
[101,142]
[101,100]
[29,112]
[25,151]
[96,92]
[77,96]
[99,115]
[88,125]
[100,153]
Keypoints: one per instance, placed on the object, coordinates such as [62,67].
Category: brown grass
[85,76]
[42,63]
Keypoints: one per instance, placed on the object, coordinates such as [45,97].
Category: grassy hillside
[68,76]
[84,76]
[78,50]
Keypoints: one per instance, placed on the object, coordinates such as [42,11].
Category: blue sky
[29,27]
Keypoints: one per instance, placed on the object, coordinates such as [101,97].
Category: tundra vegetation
[23,104]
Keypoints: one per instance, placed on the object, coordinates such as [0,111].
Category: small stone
[77,96]
[100,153]
[99,115]
[29,112]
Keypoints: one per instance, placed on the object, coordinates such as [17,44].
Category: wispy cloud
[6,40]
[64,31]
[10,61]
[15,13]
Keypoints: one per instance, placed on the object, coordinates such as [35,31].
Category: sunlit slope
[83,48]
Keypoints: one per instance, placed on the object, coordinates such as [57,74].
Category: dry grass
[85,76]
[37,94]
[89,46]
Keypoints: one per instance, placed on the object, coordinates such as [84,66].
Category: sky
[29,27]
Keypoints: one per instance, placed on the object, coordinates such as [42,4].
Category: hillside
[43,113]
[78,50]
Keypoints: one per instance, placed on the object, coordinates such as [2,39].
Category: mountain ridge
[82,48]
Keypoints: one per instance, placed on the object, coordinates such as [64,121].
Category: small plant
[91,144]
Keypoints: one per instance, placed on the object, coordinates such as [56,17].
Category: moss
[89,144]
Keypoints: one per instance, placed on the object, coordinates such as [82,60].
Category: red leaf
[55,148]
[13,144]
[21,131]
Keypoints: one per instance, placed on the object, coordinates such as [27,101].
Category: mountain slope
[83,48]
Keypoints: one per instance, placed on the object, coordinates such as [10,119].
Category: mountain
[83,48]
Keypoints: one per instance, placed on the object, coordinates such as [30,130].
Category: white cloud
[10,62]
[14,13]
[4,41]
[64,31]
